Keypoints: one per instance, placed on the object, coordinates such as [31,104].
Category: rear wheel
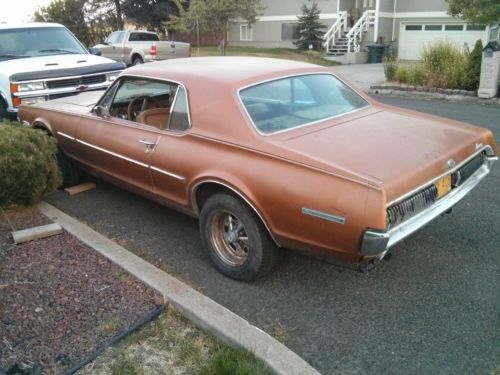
[71,173]
[236,239]
[137,60]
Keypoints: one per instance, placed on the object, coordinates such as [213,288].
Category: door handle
[147,143]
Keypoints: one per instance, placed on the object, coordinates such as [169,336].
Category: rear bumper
[375,243]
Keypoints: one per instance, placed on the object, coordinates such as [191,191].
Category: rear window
[297,101]
[143,37]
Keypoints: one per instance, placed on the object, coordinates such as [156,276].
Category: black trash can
[376,52]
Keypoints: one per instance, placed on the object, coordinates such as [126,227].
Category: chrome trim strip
[197,211]
[489,151]
[113,153]
[170,174]
[368,105]
[66,135]
[323,215]
[64,90]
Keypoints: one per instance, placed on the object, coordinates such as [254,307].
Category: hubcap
[228,238]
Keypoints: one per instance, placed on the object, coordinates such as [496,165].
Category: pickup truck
[137,47]
[44,61]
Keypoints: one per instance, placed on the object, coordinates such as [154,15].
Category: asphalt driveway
[433,308]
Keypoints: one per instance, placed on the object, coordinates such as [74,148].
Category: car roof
[20,25]
[232,70]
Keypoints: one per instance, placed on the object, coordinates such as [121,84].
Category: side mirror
[95,51]
[101,111]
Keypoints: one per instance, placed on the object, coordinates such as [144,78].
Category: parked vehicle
[278,154]
[43,61]
[137,47]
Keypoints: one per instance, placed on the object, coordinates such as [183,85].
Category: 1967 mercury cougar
[268,154]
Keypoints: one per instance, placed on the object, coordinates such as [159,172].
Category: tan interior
[157,117]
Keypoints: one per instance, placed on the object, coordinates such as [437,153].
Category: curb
[201,310]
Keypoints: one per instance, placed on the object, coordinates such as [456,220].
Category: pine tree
[473,69]
[310,29]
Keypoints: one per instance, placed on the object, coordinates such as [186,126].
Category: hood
[395,150]
[81,103]
[45,66]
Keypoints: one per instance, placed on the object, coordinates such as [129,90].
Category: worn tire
[71,174]
[260,251]
[3,110]
[137,61]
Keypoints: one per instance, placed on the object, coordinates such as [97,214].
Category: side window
[134,37]
[141,100]
[113,37]
[179,117]
[121,35]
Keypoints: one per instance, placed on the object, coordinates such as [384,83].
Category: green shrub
[390,67]
[401,74]
[472,71]
[416,76]
[28,168]
[443,64]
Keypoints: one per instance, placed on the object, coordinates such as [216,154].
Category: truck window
[143,37]
[115,37]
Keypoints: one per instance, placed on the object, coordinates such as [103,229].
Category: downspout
[375,31]
[394,20]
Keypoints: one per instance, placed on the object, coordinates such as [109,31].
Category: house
[353,24]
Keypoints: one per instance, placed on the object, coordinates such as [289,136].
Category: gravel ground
[60,300]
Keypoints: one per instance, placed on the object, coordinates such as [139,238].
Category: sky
[19,10]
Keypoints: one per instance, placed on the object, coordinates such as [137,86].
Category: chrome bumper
[375,243]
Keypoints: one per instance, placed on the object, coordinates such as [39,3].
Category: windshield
[37,41]
[296,101]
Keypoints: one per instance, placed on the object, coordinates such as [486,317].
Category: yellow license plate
[443,186]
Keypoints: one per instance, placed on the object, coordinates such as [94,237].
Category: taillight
[152,51]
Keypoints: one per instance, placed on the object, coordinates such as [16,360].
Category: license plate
[443,186]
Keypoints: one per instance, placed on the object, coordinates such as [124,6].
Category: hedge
[28,167]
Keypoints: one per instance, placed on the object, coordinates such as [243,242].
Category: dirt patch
[59,299]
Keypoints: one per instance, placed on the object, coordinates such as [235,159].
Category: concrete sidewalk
[362,75]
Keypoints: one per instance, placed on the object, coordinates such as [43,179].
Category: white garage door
[414,36]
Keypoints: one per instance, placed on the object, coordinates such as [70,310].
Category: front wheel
[3,110]
[71,173]
[236,239]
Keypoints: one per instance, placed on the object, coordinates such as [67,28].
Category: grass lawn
[278,53]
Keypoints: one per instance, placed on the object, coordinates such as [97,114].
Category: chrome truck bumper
[375,243]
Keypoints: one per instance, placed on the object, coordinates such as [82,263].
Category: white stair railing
[336,30]
[355,35]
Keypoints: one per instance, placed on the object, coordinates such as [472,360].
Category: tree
[310,29]
[151,14]
[472,70]
[215,15]
[70,13]
[483,12]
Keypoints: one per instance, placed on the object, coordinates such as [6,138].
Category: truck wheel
[236,239]
[137,60]
[3,110]
[71,173]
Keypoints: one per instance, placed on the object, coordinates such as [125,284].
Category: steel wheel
[228,238]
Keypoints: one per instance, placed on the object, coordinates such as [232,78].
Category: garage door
[414,36]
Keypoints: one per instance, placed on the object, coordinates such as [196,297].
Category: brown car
[268,154]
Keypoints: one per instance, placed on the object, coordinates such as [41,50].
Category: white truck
[44,61]
[137,47]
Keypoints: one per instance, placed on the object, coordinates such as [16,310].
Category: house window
[246,32]
[433,27]
[289,31]
[476,27]
[454,27]
[413,28]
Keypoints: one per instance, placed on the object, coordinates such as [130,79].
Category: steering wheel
[134,107]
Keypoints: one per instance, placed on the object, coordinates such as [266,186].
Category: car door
[119,143]
[172,165]
[114,46]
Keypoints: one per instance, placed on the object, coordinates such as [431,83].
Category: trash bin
[376,52]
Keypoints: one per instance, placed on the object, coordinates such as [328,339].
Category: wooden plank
[36,233]
[80,188]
